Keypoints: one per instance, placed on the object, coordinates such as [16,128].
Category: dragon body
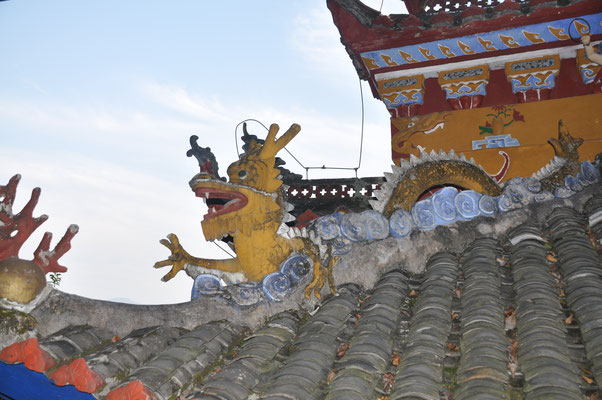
[249,207]
[565,162]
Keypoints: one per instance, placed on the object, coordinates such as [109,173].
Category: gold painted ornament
[20,280]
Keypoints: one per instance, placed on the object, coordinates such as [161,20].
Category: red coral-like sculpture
[15,229]
[48,260]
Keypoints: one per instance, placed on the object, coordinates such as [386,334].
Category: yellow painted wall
[532,124]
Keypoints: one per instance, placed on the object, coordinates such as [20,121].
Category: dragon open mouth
[220,201]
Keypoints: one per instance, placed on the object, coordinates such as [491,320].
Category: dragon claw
[178,258]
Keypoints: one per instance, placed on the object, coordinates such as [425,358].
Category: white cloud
[122,216]
[178,99]
[116,165]
[123,210]
[317,38]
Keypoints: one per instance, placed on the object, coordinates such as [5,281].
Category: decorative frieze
[483,43]
[587,68]
[465,87]
[403,96]
[533,79]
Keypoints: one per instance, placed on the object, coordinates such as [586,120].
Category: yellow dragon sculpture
[249,208]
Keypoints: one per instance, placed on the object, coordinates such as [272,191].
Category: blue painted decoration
[465,90]
[404,99]
[401,224]
[19,383]
[533,83]
[273,287]
[529,35]
[205,284]
[341,231]
[493,142]
[276,286]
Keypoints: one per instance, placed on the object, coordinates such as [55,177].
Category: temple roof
[511,309]
[364,30]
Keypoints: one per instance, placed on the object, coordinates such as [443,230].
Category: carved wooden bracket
[403,96]
[465,87]
[589,70]
[533,79]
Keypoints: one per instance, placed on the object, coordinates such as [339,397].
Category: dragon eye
[242,174]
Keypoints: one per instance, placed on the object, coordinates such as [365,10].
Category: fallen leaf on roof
[115,339]
[388,379]
[584,370]
[452,347]
[342,349]
[395,358]
[510,322]
[569,319]
[551,258]
[514,349]
[357,319]
[592,238]
[331,374]
[413,293]
[513,367]
[588,380]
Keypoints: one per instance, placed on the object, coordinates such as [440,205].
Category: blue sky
[98,100]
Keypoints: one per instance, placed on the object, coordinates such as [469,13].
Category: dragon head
[250,199]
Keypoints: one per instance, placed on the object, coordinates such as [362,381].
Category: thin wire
[266,128]
[359,162]
[295,158]
[224,250]
[236,129]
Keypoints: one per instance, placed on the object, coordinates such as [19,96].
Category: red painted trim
[361,38]
[29,353]
[502,172]
[499,90]
[79,375]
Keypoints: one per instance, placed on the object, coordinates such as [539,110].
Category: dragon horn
[273,146]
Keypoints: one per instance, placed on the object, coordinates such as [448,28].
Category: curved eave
[363,29]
